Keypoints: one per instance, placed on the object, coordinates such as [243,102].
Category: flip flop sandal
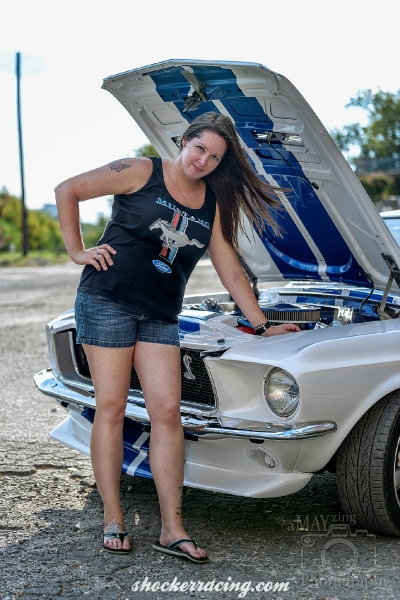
[174,549]
[115,534]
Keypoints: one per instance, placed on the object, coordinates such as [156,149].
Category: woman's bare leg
[159,370]
[110,369]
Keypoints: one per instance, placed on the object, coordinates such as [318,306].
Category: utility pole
[21,159]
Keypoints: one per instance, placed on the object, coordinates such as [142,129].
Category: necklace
[180,189]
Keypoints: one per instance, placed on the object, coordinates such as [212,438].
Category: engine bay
[308,306]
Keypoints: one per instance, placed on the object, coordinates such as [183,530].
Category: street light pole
[21,160]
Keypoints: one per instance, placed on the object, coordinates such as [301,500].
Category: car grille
[196,384]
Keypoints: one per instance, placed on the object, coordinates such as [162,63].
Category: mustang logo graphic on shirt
[174,237]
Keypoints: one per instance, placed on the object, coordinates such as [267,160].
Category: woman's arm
[119,177]
[233,278]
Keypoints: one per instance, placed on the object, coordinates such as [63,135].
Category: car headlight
[281,393]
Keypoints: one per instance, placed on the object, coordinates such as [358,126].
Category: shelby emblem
[188,373]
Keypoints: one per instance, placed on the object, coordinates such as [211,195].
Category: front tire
[368,468]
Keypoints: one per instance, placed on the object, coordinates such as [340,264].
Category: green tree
[44,231]
[146,150]
[380,138]
[10,221]
[377,185]
[92,232]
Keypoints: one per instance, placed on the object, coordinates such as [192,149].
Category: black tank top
[158,242]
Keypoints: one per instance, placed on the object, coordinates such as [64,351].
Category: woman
[165,215]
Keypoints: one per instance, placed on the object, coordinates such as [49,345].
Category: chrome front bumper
[210,427]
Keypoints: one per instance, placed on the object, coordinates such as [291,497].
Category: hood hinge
[394,269]
[383,311]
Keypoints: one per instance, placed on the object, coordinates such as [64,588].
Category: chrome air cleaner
[292,313]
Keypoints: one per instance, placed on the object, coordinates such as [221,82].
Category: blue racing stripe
[131,433]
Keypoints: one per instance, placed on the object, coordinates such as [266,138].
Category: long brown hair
[234,183]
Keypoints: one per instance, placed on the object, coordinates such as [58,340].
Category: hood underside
[331,229]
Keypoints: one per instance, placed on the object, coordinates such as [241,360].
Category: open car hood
[332,231]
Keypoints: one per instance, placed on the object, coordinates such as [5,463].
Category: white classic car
[261,416]
[392,220]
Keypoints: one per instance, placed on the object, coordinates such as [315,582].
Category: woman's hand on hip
[99,257]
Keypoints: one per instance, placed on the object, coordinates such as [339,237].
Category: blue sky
[329,50]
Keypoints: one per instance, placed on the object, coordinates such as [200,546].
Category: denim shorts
[103,322]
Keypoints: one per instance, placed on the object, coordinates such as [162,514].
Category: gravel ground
[51,513]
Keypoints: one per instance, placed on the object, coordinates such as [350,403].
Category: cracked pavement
[51,513]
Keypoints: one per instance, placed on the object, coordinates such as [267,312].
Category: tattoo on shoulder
[118,166]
